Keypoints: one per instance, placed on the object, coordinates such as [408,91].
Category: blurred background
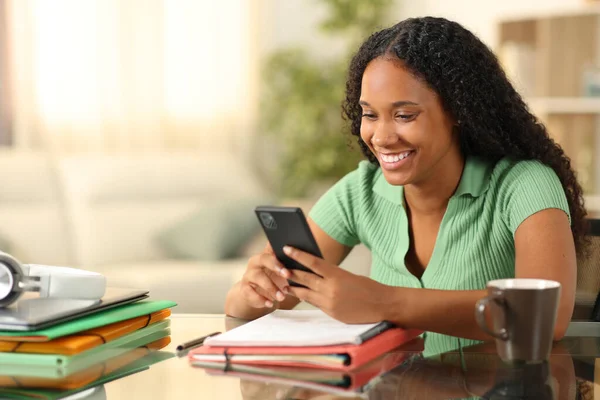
[137,136]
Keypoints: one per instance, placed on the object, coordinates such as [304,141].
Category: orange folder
[88,375]
[309,356]
[82,341]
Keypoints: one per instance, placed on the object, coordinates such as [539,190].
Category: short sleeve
[338,210]
[527,188]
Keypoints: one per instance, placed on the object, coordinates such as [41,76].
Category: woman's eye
[369,116]
[406,117]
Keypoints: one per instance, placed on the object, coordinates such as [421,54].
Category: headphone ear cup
[14,266]
[11,298]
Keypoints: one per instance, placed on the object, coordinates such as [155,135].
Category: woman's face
[404,124]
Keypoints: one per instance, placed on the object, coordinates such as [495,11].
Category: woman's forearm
[450,312]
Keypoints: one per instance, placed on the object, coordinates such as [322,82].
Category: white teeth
[394,157]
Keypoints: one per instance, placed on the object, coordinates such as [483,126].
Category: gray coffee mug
[523,313]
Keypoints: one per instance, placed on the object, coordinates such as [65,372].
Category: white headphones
[49,281]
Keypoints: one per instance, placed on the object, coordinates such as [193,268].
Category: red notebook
[343,357]
[358,380]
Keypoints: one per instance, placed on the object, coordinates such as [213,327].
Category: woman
[462,185]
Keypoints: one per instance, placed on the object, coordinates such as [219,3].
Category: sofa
[179,224]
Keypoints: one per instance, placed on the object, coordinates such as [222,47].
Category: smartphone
[287,226]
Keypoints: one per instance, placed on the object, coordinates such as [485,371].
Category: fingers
[311,297]
[254,299]
[265,281]
[315,264]
[269,261]
[308,279]
[268,288]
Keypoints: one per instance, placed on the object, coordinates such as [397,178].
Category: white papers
[294,328]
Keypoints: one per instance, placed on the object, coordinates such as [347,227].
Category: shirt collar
[474,181]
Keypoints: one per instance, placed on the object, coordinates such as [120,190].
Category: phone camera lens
[268,220]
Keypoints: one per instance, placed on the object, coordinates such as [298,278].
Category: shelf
[576,11]
[564,105]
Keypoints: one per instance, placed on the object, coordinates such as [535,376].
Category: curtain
[131,75]
[5,103]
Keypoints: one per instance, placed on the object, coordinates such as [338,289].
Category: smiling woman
[462,186]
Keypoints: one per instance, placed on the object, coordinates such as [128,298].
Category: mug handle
[480,307]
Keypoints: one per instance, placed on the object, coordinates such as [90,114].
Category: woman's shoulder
[524,187]
[532,174]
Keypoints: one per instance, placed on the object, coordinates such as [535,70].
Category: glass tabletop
[431,367]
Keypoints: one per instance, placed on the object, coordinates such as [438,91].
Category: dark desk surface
[441,371]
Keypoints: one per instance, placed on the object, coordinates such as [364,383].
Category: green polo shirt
[475,242]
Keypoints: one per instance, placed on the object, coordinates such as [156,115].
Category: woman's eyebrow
[394,104]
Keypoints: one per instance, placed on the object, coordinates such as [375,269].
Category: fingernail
[287,250]
[268,304]
[286,290]
[283,272]
[280,296]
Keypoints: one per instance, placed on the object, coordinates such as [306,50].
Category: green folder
[95,320]
[111,349]
[142,364]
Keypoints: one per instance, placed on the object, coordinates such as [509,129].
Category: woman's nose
[384,136]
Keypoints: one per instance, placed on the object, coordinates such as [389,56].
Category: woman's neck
[431,196]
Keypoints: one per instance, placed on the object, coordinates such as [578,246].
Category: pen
[195,342]
[374,331]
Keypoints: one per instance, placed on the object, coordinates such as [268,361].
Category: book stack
[86,351]
[308,348]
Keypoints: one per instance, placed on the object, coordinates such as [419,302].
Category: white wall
[288,23]
[481,16]
[295,22]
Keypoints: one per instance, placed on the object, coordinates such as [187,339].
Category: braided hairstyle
[493,120]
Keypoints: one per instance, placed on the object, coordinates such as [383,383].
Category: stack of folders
[80,353]
[308,348]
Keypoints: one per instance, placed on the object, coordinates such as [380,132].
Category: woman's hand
[343,295]
[265,281]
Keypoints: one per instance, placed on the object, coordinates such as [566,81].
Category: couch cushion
[196,287]
[216,231]
[120,203]
[32,211]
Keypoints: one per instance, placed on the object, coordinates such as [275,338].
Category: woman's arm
[544,250]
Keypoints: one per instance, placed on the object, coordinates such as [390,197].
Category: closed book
[82,341]
[338,357]
[102,318]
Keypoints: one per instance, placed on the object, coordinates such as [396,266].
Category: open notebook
[300,338]
[297,328]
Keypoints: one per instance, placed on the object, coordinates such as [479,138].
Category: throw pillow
[214,232]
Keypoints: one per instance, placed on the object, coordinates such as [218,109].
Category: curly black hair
[493,120]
